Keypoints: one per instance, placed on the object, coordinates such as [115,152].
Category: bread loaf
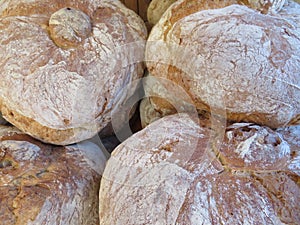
[175,172]
[48,185]
[64,65]
[232,59]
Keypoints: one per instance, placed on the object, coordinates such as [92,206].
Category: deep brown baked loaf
[64,64]
[44,184]
[233,59]
[176,172]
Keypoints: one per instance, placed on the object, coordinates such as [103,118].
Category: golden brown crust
[189,176]
[69,27]
[45,184]
[156,9]
[50,135]
[73,89]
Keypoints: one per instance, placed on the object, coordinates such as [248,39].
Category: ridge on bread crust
[63,95]
[46,184]
[190,175]
[233,59]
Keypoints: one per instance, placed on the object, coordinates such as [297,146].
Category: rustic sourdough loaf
[64,64]
[176,172]
[232,59]
[45,184]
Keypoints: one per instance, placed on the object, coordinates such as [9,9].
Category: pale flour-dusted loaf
[64,65]
[41,184]
[175,172]
[157,7]
[232,59]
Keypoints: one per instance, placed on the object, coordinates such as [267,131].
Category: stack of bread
[228,71]
[218,139]
[63,68]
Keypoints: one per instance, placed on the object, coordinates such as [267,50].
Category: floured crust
[292,136]
[233,59]
[188,177]
[156,9]
[2,120]
[72,89]
[290,12]
[44,184]
[186,7]
[255,148]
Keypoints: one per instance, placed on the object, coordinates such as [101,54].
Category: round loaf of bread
[232,59]
[45,184]
[64,65]
[175,172]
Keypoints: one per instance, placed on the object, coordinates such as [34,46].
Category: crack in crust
[233,59]
[172,166]
[46,184]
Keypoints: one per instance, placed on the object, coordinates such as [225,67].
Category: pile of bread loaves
[218,139]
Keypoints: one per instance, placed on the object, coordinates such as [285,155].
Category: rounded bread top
[189,176]
[233,58]
[64,63]
[39,181]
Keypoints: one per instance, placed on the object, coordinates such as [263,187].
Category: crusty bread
[157,7]
[176,172]
[64,64]
[233,59]
[49,185]
[291,12]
